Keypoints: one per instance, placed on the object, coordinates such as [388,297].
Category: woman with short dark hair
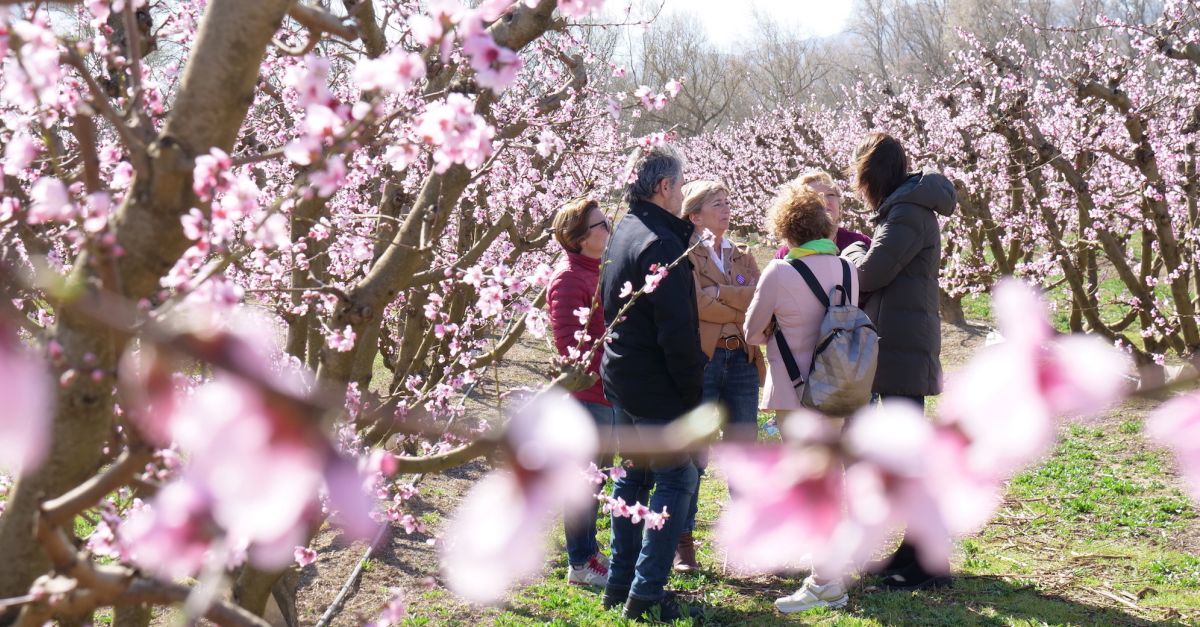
[898,275]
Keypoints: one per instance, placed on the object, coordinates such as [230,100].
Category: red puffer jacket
[573,286]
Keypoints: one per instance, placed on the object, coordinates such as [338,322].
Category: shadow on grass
[981,600]
[973,600]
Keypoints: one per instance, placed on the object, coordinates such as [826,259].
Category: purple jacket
[845,237]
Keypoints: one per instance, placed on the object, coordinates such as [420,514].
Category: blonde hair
[816,176]
[570,223]
[797,214]
[696,193]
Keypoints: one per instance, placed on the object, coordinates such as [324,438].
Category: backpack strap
[844,288]
[811,279]
[789,360]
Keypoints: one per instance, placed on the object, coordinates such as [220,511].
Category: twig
[61,510]
[1118,599]
[352,581]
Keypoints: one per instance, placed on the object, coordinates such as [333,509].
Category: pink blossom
[579,8]
[594,474]
[425,30]
[27,391]
[787,504]
[395,610]
[673,87]
[303,150]
[395,72]
[616,472]
[1005,400]
[497,536]
[626,290]
[457,134]
[657,274]
[310,79]
[495,67]
[51,202]
[341,340]
[304,556]
[583,314]
[490,303]
[96,210]
[1176,425]
[170,537]
[19,153]
[332,178]
[207,173]
[321,121]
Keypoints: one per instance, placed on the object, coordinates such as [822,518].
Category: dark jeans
[732,380]
[581,529]
[642,558]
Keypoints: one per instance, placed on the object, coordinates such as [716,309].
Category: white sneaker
[810,595]
[604,560]
[593,573]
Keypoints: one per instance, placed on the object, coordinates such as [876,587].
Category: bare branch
[318,21]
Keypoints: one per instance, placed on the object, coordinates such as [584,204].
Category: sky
[728,21]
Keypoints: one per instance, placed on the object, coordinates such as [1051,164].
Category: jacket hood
[931,190]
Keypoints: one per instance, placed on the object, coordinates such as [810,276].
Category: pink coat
[783,294]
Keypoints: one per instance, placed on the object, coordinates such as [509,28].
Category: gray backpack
[843,364]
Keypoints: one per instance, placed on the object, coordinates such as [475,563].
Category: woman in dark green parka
[898,277]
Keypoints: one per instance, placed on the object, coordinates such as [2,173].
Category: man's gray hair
[648,167]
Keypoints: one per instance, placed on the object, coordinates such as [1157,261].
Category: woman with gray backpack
[820,346]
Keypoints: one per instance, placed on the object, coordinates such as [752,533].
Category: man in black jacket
[653,371]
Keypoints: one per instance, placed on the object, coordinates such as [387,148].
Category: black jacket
[653,367]
[900,271]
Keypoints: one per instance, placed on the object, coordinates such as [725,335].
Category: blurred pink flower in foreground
[935,480]
[256,462]
[1176,425]
[497,536]
[1006,399]
[27,391]
[787,502]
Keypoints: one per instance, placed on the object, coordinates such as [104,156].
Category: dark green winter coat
[899,276]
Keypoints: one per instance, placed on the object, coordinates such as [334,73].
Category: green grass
[1100,516]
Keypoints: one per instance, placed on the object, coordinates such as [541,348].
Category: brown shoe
[685,554]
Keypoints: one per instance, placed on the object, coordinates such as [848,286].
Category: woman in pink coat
[783,298]
[798,217]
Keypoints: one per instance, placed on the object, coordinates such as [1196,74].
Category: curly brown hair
[798,215]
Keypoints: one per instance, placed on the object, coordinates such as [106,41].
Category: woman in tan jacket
[726,274]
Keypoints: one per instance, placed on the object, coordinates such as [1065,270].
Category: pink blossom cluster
[230,429]
[996,416]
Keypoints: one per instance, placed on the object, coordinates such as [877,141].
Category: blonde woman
[726,274]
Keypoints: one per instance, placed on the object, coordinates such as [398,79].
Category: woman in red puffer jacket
[577,319]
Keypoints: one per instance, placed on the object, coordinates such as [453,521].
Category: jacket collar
[654,215]
[582,261]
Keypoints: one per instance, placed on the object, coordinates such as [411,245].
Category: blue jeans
[642,558]
[581,529]
[732,380]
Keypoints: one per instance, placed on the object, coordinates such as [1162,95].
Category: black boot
[668,609]
[915,577]
[614,596]
[902,560]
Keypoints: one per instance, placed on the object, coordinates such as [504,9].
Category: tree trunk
[218,88]
[952,310]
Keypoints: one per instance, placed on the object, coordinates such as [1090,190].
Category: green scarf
[815,247]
